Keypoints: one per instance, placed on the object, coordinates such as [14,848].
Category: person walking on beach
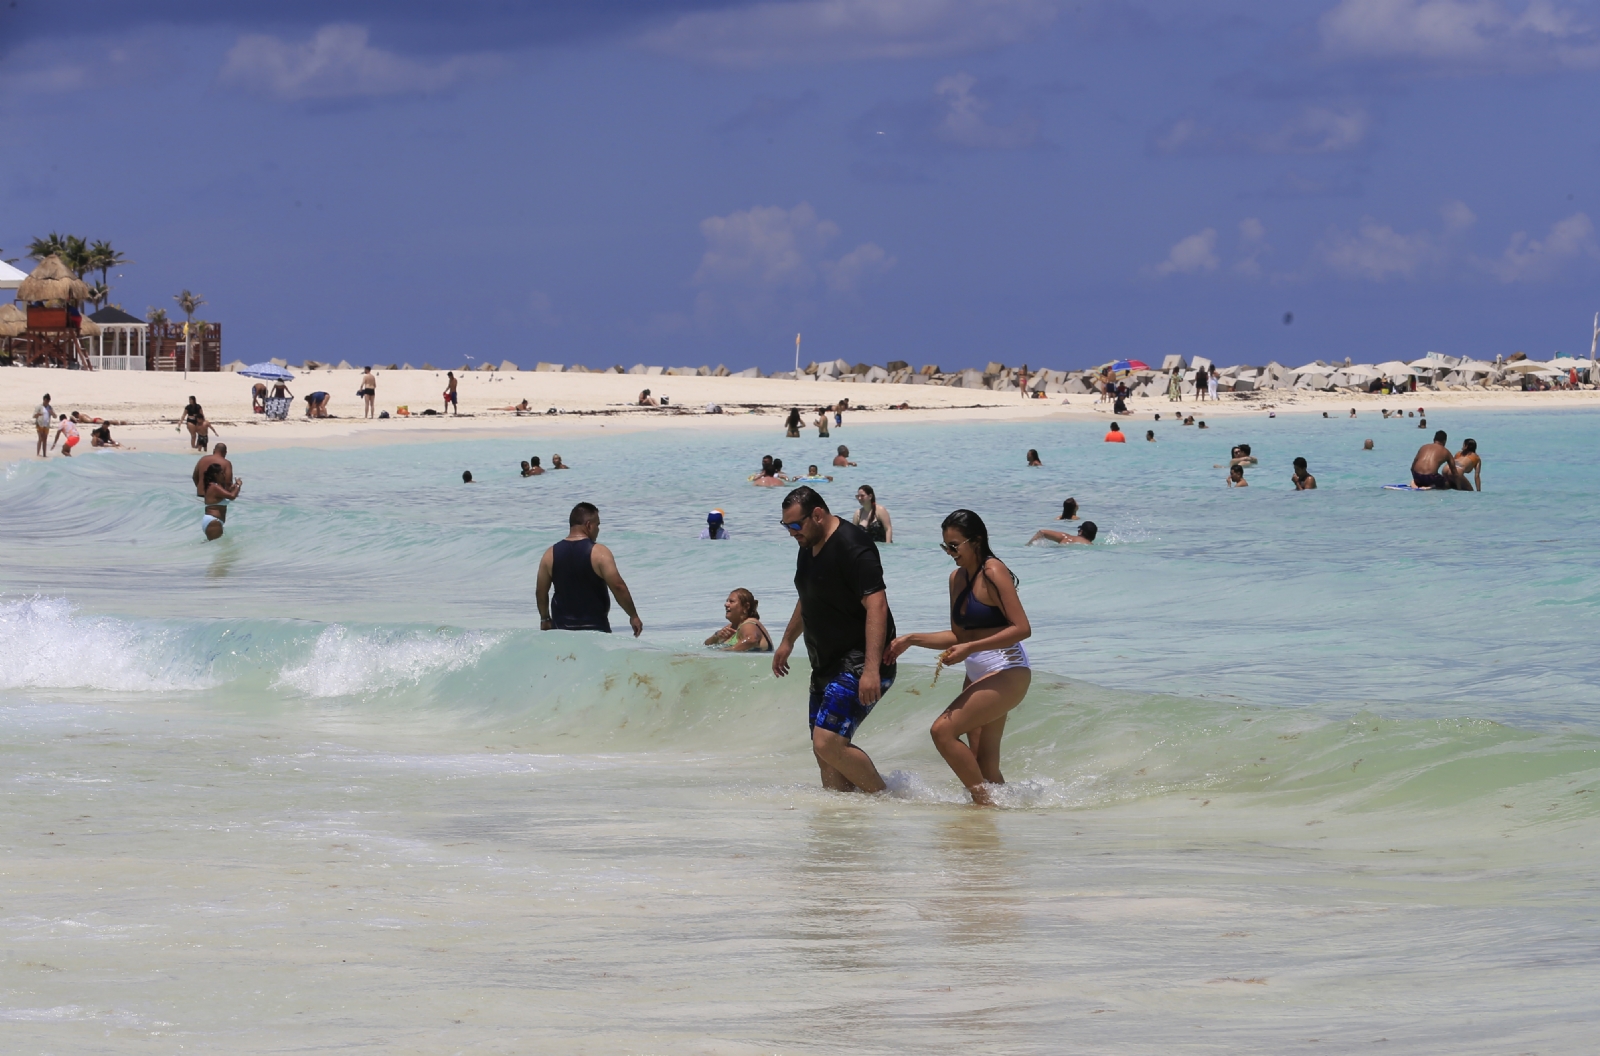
[1434,466]
[843,610]
[1201,380]
[987,628]
[369,391]
[581,570]
[1211,385]
[450,398]
[42,416]
[69,429]
[218,456]
[1174,387]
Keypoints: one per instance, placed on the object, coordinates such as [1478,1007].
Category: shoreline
[151,402]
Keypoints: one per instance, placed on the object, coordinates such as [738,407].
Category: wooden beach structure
[121,342]
[53,335]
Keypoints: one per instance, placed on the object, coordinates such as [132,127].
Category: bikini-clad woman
[987,627]
[216,499]
[744,632]
[872,517]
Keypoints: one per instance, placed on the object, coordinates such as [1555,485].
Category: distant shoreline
[592,402]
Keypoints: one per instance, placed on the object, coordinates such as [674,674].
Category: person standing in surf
[987,628]
[581,570]
[843,610]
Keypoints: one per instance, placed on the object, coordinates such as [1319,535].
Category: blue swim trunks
[837,706]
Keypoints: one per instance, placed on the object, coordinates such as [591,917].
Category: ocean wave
[46,644]
[343,664]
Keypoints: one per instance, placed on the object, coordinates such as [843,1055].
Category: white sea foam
[45,644]
[342,664]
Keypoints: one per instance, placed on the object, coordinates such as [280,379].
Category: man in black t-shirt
[844,612]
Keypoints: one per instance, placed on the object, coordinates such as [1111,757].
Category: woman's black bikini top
[970,614]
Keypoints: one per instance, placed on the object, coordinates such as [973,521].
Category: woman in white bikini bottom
[992,661]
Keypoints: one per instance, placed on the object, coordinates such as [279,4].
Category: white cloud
[1461,32]
[963,124]
[853,270]
[1253,244]
[1457,217]
[337,62]
[1378,252]
[1531,260]
[1313,130]
[834,30]
[1192,256]
[757,260]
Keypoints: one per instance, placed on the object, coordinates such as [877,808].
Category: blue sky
[938,181]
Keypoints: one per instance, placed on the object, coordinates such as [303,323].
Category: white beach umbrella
[1396,369]
[1525,366]
[10,278]
[1313,368]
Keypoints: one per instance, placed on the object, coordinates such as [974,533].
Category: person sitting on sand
[534,469]
[905,405]
[871,517]
[1434,466]
[216,497]
[647,400]
[1115,435]
[813,475]
[101,437]
[744,631]
[1069,510]
[843,457]
[1086,533]
[1236,478]
[1033,457]
[317,405]
[556,463]
[1467,461]
[1302,479]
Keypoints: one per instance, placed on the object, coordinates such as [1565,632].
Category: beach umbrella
[1129,364]
[266,372]
[10,278]
[1522,366]
[1313,368]
[1396,369]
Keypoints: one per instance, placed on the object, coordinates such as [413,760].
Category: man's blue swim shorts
[837,706]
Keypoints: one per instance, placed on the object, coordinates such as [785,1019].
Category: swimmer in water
[1069,510]
[1467,461]
[987,628]
[1033,458]
[534,468]
[1366,445]
[714,528]
[1302,479]
[744,631]
[843,457]
[1115,435]
[466,477]
[556,463]
[1086,533]
[871,517]
[1149,434]
[1434,466]
[526,469]
[216,498]
[1236,478]
[814,474]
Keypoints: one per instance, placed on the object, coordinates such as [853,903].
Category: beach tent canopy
[1313,368]
[51,281]
[10,278]
[266,372]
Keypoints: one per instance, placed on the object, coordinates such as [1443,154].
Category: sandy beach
[151,403]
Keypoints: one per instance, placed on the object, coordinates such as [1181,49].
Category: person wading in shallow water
[581,570]
[843,610]
[987,628]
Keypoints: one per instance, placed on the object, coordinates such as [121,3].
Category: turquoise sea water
[1298,771]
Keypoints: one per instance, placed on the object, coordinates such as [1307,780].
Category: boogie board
[1406,487]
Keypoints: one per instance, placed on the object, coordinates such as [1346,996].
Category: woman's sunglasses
[951,548]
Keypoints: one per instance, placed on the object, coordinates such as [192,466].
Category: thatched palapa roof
[88,327]
[51,281]
[12,321]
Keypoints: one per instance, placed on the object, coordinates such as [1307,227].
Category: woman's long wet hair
[971,526]
[870,493]
[748,600]
[1069,509]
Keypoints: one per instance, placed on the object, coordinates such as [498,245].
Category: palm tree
[75,255]
[156,316]
[102,258]
[189,303]
[52,245]
[99,293]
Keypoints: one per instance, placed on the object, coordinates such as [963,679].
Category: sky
[694,182]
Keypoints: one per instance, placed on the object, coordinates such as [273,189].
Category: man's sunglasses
[793,526]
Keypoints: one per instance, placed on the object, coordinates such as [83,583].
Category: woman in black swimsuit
[987,628]
[872,517]
[792,426]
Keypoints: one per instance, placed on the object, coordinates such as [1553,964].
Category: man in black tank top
[581,570]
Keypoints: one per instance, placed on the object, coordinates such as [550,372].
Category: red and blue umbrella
[1128,364]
